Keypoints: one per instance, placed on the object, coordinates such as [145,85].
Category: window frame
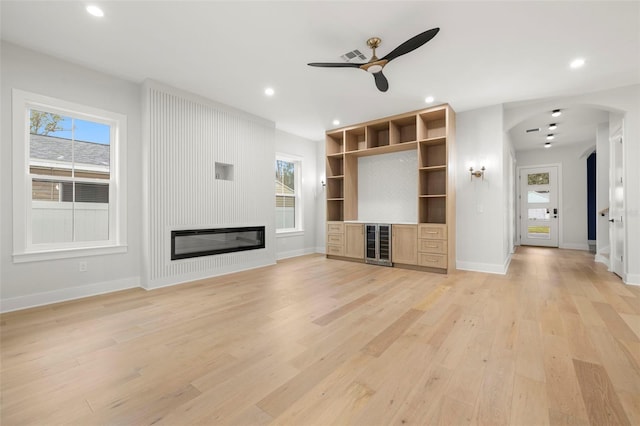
[297,177]
[24,250]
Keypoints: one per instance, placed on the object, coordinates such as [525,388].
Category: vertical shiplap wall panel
[186,136]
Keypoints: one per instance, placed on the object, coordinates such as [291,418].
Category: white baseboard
[295,253]
[632,279]
[65,294]
[575,246]
[491,268]
[321,250]
[602,259]
[187,278]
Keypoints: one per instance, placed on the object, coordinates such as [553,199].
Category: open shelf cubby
[433,181]
[432,124]
[432,209]
[378,135]
[335,210]
[403,130]
[433,153]
[355,139]
[335,166]
[335,187]
[335,143]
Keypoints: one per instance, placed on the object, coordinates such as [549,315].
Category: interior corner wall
[321,205]
[184,135]
[480,203]
[36,283]
[602,192]
[297,244]
[574,189]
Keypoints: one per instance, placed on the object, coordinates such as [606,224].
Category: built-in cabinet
[431,133]
[354,240]
[405,249]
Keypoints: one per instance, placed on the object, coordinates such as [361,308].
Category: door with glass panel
[539,206]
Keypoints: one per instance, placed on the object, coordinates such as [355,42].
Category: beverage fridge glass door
[371,247]
[384,244]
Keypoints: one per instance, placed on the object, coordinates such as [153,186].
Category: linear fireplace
[207,242]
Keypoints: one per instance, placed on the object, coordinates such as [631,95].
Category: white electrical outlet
[83,266]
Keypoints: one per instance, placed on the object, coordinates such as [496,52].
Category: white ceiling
[576,125]
[486,52]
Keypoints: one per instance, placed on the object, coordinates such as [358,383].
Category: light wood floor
[313,341]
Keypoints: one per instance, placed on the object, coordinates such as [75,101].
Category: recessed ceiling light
[547,145]
[95,11]
[550,137]
[577,63]
[336,122]
[553,126]
[429,99]
[269,91]
[556,113]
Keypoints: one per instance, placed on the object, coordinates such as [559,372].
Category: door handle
[612,220]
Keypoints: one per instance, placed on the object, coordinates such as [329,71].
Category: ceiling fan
[375,65]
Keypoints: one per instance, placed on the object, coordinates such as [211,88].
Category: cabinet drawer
[335,250]
[432,246]
[335,228]
[335,239]
[432,232]
[432,260]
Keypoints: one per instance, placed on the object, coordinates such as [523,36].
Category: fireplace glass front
[207,242]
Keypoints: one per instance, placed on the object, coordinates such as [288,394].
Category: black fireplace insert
[207,242]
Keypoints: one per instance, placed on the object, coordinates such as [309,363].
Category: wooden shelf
[431,132]
[406,146]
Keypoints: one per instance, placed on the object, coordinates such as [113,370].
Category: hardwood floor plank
[343,310]
[615,324]
[603,406]
[389,335]
[313,341]
[563,391]
[529,403]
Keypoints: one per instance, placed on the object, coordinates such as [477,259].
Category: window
[288,190]
[69,194]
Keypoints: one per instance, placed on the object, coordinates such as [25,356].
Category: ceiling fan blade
[412,44]
[334,64]
[381,81]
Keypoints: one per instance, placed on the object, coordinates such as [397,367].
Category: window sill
[289,233]
[38,256]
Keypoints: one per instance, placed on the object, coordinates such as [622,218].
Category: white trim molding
[66,294]
[490,268]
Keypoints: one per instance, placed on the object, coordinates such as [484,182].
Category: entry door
[616,209]
[539,206]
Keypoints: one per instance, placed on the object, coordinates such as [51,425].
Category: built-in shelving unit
[431,133]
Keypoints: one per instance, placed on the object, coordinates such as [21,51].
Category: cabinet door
[405,244]
[354,240]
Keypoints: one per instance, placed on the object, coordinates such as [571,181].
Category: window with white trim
[69,193]
[288,194]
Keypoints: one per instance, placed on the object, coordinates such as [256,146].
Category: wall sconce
[477,173]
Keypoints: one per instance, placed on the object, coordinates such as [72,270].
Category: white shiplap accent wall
[184,136]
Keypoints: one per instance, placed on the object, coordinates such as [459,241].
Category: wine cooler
[378,244]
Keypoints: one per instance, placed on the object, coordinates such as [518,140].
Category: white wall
[35,283]
[321,205]
[624,100]
[573,210]
[184,136]
[481,210]
[602,192]
[299,243]
[387,187]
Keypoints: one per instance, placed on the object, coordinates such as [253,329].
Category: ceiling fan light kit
[375,65]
